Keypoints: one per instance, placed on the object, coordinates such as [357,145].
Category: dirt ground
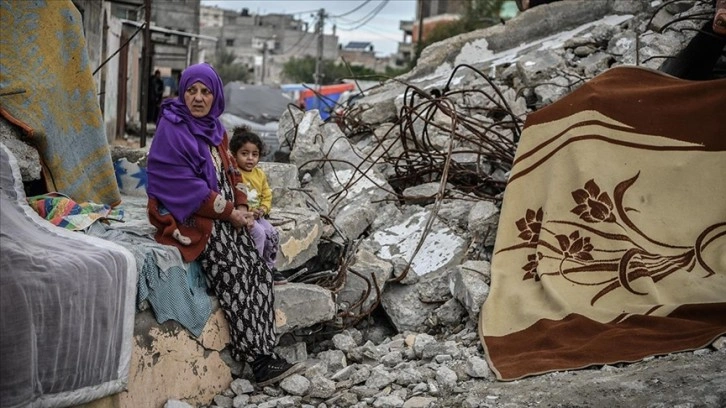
[683,380]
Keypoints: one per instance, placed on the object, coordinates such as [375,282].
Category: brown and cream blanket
[612,238]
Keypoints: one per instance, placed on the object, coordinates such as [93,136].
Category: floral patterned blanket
[612,238]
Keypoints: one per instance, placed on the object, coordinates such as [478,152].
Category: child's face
[248,156]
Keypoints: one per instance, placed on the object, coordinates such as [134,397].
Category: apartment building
[263,43]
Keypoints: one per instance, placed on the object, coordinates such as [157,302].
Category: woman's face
[199,99]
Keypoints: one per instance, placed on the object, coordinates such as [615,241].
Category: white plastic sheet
[67,306]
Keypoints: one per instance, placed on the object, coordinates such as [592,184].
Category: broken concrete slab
[301,305]
[300,230]
[468,285]
[368,265]
[404,308]
[441,247]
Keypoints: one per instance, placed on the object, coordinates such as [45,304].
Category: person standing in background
[156,93]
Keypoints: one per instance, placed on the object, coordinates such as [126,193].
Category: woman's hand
[241,218]
[250,220]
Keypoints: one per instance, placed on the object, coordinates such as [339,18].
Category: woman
[198,204]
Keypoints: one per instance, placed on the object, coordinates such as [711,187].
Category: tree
[299,70]
[228,70]
[477,14]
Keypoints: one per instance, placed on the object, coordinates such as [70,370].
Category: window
[229,42]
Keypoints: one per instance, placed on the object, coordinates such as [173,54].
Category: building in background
[360,53]
[115,43]
[406,48]
[433,13]
[262,43]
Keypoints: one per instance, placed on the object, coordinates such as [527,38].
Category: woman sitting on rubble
[198,205]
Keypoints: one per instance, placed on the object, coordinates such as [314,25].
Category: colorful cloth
[43,58]
[63,212]
[612,234]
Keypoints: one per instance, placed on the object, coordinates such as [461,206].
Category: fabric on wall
[612,236]
[43,58]
[66,307]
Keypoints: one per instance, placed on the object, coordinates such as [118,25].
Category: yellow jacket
[259,193]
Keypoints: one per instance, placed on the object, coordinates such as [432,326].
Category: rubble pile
[404,193]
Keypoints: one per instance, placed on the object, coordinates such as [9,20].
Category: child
[246,147]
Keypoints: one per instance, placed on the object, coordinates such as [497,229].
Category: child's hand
[259,213]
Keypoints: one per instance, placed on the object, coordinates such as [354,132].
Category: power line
[366,19]
[352,11]
[302,37]
[119,49]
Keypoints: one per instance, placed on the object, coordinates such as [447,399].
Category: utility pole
[145,66]
[419,40]
[319,61]
[264,61]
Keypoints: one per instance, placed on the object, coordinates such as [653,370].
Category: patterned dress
[241,281]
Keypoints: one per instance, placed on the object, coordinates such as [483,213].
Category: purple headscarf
[181,174]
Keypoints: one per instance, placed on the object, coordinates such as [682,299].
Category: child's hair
[243,134]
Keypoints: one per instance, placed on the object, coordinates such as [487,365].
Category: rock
[380,378]
[334,359]
[419,402]
[300,231]
[26,155]
[469,287]
[301,305]
[482,221]
[295,384]
[241,386]
[403,307]
[344,341]
[321,387]
[478,368]
[367,265]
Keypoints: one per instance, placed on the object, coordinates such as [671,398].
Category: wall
[110,95]
[179,15]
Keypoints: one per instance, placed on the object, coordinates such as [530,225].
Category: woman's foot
[271,369]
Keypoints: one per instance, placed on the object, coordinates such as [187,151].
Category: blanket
[176,290]
[66,307]
[63,212]
[48,90]
[611,244]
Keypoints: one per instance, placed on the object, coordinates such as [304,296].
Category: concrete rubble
[399,328]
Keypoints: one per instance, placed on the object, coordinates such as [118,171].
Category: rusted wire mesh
[449,135]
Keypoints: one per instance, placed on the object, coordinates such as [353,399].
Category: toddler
[246,147]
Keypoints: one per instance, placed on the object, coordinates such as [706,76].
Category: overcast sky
[356,20]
